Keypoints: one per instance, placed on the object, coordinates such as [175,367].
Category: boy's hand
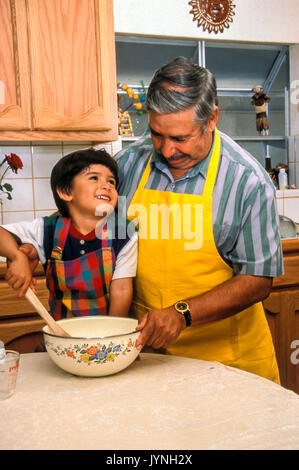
[18,274]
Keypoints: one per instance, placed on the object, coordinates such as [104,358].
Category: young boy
[89,270]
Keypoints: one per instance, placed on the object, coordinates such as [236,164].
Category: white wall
[254,20]
[32,195]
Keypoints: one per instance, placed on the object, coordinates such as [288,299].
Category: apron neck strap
[212,170]
[60,235]
[146,173]
[213,166]
[105,235]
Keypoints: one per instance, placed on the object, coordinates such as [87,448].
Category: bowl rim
[92,337]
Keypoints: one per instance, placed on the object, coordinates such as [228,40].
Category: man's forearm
[229,298]
[160,328]
[8,244]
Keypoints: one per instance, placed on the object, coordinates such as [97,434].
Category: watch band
[183,308]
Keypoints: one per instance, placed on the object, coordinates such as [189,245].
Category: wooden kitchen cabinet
[14,67]
[57,70]
[282,311]
[20,326]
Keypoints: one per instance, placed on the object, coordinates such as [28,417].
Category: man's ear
[213,119]
[64,195]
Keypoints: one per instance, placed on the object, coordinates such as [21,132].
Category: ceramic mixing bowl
[98,346]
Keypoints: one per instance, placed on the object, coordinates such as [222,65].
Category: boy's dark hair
[68,167]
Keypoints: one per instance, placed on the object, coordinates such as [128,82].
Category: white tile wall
[43,196]
[13,217]
[22,196]
[44,158]
[31,195]
[43,213]
[288,203]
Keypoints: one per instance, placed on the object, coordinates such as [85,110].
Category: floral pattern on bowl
[92,354]
[98,345]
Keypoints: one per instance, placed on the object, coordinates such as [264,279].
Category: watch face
[181,306]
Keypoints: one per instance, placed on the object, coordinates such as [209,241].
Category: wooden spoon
[55,327]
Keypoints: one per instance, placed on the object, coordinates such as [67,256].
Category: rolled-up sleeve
[258,249]
[31,232]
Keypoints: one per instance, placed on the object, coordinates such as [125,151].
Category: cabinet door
[282,309]
[72,53]
[22,335]
[14,67]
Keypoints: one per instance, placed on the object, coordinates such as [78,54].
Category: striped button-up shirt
[245,220]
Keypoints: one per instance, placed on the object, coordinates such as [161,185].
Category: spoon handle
[38,306]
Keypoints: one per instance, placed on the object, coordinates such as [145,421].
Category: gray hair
[180,85]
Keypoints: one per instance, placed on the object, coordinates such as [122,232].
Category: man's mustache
[174,157]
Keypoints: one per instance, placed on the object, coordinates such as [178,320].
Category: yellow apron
[177,262]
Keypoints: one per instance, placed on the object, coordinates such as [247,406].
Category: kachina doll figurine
[260,100]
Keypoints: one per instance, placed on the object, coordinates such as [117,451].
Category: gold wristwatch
[183,308]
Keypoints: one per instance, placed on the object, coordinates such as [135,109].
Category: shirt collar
[75,233]
[200,168]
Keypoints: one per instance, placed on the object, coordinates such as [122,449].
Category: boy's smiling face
[93,192]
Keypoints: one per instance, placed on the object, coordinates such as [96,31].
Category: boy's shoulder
[51,219]
[49,227]
[121,227]
[121,231]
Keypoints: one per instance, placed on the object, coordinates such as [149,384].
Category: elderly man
[206,263]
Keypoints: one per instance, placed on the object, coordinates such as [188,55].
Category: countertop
[159,402]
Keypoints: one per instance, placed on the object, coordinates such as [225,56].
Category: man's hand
[160,328]
[18,274]
[15,279]
[31,254]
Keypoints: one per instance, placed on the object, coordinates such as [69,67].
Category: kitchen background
[143,44]
[57,65]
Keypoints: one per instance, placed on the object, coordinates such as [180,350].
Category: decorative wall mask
[212,15]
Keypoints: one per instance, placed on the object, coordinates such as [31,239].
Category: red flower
[14,162]
[92,350]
